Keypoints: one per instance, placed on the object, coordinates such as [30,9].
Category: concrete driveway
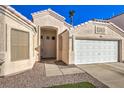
[111,74]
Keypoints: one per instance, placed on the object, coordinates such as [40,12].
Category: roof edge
[100,20]
[93,20]
[19,15]
[111,23]
[49,10]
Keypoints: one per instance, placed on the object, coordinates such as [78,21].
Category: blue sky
[83,13]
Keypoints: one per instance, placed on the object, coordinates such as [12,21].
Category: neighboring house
[22,43]
[118,20]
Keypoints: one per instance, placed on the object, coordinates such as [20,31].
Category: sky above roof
[83,13]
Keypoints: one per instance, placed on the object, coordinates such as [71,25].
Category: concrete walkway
[111,74]
[53,69]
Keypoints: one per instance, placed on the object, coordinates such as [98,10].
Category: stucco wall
[65,47]
[10,67]
[46,20]
[35,46]
[122,46]
[87,31]
[71,47]
[2,38]
[119,21]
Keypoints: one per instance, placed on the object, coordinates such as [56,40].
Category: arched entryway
[48,37]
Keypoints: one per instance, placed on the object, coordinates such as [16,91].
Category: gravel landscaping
[36,78]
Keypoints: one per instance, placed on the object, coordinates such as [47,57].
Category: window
[19,45]
[53,38]
[47,37]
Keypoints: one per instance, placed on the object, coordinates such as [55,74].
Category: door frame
[51,28]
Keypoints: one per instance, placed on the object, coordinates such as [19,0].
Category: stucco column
[3,40]
[57,48]
[39,44]
[71,47]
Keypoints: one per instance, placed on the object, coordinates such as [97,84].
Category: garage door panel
[95,51]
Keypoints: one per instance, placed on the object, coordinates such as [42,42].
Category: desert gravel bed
[36,78]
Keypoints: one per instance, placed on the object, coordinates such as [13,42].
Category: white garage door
[95,51]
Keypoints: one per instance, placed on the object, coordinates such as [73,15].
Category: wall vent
[99,30]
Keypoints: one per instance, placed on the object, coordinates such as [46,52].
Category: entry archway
[48,37]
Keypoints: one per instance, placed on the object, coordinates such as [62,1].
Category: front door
[48,44]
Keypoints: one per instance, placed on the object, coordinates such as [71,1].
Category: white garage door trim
[95,51]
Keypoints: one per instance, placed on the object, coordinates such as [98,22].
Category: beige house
[23,42]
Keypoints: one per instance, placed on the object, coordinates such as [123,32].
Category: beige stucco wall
[122,40]
[65,46]
[46,20]
[35,44]
[9,67]
[87,31]
[119,21]
[71,46]
[2,38]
